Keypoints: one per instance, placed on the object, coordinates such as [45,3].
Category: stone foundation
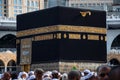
[46,66]
[66,66]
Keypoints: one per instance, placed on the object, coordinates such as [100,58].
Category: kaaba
[61,34]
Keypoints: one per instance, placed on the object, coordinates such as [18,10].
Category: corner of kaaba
[61,38]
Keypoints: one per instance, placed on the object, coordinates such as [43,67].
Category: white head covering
[46,75]
[1,75]
[31,73]
[54,72]
[86,71]
[64,76]
[82,78]
[82,73]
[25,73]
[47,78]
[89,75]
[32,77]
[21,73]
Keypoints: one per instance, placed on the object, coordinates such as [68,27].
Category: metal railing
[6,49]
[7,23]
[5,19]
[113,17]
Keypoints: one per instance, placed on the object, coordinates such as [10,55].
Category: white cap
[89,75]
[32,77]
[31,72]
[86,71]
[82,78]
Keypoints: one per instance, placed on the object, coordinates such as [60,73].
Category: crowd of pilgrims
[103,72]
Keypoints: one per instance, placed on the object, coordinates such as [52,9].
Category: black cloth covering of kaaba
[63,49]
[68,50]
[60,15]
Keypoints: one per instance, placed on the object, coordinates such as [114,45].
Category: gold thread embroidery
[84,14]
[65,36]
[101,38]
[71,36]
[105,38]
[44,37]
[74,36]
[93,37]
[84,36]
[58,35]
[61,28]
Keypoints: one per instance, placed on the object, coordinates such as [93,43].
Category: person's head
[24,75]
[6,76]
[115,73]
[65,76]
[90,76]
[55,74]
[86,71]
[30,73]
[38,73]
[103,71]
[74,75]
[14,75]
